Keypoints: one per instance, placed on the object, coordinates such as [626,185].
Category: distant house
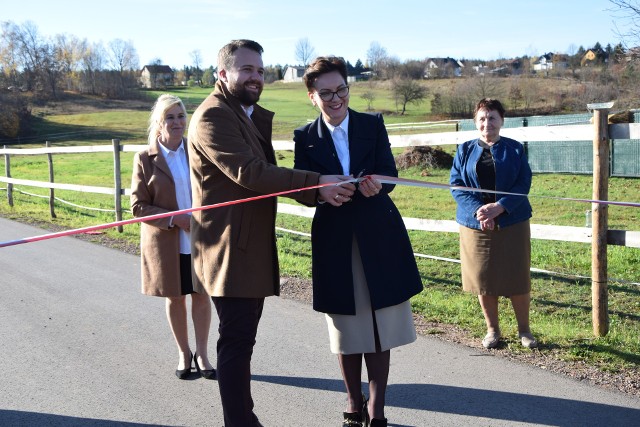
[593,56]
[443,67]
[156,76]
[544,62]
[631,55]
[480,69]
[507,67]
[550,61]
[293,73]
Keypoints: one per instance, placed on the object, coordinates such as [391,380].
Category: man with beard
[234,247]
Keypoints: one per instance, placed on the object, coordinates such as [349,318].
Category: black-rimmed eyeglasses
[327,95]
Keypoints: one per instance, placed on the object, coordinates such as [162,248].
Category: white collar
[166,151]
[344,125]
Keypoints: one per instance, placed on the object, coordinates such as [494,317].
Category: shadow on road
[520,407]
[23,418]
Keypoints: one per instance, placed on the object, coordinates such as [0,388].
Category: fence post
[525,123]
[7,172]
[599,218]
[117,181]
[52,197]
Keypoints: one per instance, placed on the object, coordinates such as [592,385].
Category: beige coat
[231,158]
[153,192]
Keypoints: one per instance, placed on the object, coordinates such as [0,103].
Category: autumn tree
[93,59]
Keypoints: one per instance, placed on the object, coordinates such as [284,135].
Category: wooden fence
[541,133]
[599,236]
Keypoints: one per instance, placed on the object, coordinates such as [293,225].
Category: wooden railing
[541,133]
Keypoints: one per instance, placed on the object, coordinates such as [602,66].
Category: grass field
[560,313]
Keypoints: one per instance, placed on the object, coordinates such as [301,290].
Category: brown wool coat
[231,158]
[153,192]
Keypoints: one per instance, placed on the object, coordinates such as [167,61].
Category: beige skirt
[350,334]
[496,262]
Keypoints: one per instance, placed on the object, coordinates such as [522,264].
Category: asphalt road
[80,346]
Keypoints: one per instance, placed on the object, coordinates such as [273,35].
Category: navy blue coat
[387,256]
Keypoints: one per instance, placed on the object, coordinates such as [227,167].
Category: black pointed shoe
[184,373]
[209,374]
[352,419]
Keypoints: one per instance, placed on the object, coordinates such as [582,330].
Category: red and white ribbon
[382,178]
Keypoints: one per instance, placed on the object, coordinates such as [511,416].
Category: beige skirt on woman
[349,334]
[496,262]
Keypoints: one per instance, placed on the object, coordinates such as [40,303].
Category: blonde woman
[161,183]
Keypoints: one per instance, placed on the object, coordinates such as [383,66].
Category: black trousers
[239,318]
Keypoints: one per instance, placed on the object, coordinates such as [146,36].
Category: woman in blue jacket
[364,271]
[495,238]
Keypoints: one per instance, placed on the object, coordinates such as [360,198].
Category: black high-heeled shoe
[209,374]
[365,411]
[184,373]
[352,419]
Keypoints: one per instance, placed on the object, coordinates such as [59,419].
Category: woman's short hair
[225,55]
[160,107]
[489,104]
[323,65]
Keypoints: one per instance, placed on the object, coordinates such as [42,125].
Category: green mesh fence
[572,156]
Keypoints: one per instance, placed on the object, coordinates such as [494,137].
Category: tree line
[35,68]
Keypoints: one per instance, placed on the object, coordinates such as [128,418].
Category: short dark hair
[322,65]
[225,55]
[489,104]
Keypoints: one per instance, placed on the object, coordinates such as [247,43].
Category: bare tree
[196,58]
[93,61]
[9,56]
[408,91]
[413,69]
[27,50]
[369,95]
[304,51]
[376,55]
[68,50]
[124,58]
[486,86]
[628,24]
[390,68]
[574,58]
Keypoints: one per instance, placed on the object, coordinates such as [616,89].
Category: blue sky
[407,29]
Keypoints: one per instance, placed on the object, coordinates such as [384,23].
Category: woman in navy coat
[364,271]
